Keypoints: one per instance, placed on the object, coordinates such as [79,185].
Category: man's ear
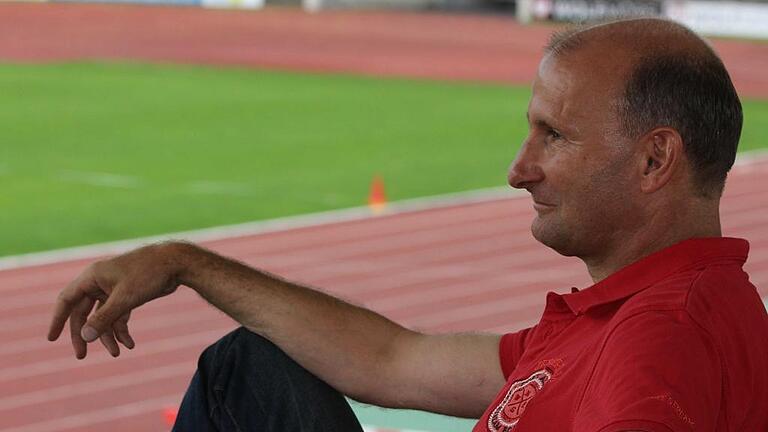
[662,156]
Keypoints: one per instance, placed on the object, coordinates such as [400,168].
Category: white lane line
[345,234]
[99,416]
[101,179]
[9,325]
[68,391]
[510,305]
[250,228]
[278,224]
[152,322]
[62,364]
[445,289]
[746,218]
[751,157]
[750,162]
[330,265]
[733,223]
[27,300]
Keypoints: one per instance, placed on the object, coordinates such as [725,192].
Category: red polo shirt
[677,341]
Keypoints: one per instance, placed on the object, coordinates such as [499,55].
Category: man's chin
[552,237]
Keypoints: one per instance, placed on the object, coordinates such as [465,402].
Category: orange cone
[169,415]
[377,198]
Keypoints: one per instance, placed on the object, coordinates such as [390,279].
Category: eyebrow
[539,122]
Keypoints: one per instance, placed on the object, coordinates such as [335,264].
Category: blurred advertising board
[722,18]
[592,10]
[154,2]
[234,4]
[716,18]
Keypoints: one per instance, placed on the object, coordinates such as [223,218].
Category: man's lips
[540,205]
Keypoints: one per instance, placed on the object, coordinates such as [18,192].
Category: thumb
[102,319]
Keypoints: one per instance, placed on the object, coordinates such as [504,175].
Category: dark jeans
[244,383]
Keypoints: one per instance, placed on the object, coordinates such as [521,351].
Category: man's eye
[555,135]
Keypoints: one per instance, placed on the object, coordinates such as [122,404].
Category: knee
[246,357]
[258,384]
[243,362]
[241,348]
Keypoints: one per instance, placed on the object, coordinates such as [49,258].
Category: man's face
[575,162]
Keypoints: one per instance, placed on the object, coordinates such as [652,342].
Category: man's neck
[662,231]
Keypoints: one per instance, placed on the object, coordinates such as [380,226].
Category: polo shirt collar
[655,267]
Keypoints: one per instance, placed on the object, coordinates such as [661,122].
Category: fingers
[118,332]
[121,331]
[78,317]
[109,322]
[121,283]
[104,318]
[60,315]
[66,302]
[108,337]
[108,340]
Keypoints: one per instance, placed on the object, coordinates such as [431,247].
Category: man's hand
[115,286]
[360,353]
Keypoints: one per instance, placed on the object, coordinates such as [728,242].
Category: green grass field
[95,152]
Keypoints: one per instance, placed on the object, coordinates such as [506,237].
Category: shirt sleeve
[658,371]
[511,349]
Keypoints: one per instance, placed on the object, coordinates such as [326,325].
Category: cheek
[585,186]
[608,196]
[581,203]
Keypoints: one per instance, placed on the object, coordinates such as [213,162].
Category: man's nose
[525,170]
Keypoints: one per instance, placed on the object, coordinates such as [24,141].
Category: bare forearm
[345,345]
[359,352]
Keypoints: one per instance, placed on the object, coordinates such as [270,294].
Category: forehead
[580,87]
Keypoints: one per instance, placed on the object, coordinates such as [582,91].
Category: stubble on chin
[550,231]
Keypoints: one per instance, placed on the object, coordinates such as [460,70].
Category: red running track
[462,267]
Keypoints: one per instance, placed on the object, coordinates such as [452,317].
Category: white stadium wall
[745,19]
[722,18]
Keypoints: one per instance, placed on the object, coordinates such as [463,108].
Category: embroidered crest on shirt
[520,393]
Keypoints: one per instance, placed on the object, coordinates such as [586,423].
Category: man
[633,126]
